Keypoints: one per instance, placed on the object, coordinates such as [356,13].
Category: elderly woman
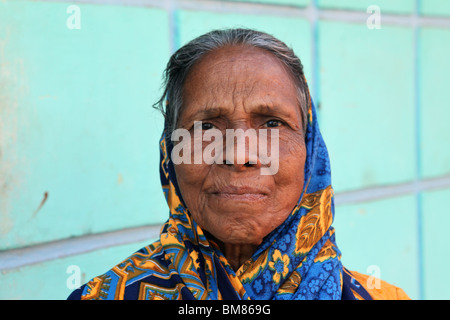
[233,232]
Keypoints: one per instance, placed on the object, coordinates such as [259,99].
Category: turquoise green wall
[76,125]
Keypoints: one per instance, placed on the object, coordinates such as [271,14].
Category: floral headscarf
[298,260]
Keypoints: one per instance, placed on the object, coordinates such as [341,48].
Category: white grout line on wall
[418,151]
[350,16]
[173,34]
[385,192]
[16,258]
[386,18]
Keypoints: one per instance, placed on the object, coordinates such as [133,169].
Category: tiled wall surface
[79,179]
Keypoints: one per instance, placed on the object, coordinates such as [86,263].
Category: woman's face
[239,87]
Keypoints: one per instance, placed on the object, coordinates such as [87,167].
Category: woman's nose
[241,149]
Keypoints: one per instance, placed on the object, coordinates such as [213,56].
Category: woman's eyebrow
[262,110]
[207,113]
[273,111]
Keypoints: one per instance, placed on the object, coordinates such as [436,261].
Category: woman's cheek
[292,153]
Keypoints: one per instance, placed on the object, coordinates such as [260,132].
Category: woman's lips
[239,193]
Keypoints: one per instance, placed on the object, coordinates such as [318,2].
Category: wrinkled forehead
[238,76]
[232,64]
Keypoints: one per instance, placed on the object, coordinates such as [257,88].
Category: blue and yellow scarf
[298,260]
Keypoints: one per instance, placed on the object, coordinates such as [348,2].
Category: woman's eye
[207,126]
[273,123]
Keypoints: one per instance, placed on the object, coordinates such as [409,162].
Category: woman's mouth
[239,193]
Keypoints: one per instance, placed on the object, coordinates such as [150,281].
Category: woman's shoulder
[379,289]
[124,278]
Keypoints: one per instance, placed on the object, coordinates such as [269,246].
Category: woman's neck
[236,254]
